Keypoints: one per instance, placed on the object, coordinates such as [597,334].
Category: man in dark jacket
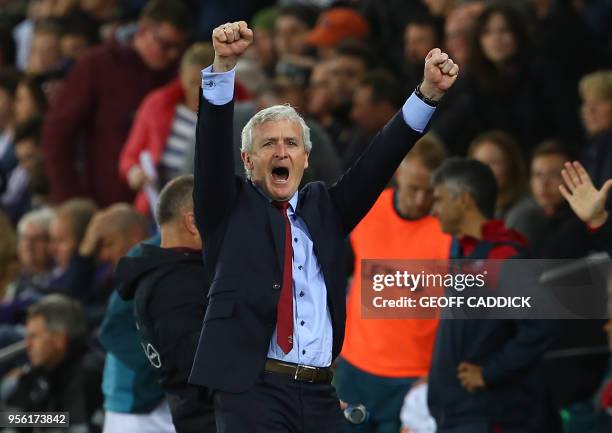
[483,376]
[96,105]
[169,288]
[62,375]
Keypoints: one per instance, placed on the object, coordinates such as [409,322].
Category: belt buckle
[304,367]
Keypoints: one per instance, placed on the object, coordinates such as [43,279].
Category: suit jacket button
[276,286]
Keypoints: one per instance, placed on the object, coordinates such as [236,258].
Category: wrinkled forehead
[278,129]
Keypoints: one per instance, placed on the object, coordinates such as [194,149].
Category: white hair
[273,114]
[40,217]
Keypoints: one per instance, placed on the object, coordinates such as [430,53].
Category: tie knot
[281,205]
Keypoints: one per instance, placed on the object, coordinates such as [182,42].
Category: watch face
[356,415]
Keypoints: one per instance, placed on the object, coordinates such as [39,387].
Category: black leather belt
[301,373]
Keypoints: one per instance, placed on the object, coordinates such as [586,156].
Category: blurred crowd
[98,103]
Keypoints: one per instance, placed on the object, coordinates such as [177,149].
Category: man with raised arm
[276,312]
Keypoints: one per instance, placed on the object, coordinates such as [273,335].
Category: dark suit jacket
[243,234]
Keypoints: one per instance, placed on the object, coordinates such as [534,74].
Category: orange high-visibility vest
[398,347]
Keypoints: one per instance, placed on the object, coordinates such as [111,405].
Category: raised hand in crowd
[585,200]
[230,41]
[90,243]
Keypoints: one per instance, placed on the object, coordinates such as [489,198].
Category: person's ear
[190,223]
[246,160]
[306,160]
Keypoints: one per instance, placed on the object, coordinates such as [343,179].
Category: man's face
[347,72]
[490,154]
[163,45]
[290,35]
[414,191]
[448,209]
[364,112]
[33,247]
[45,53]
[113,245]
[319,92]
[278,158]
[596,113]
[419,40]
[545,180]
[63,240]
[45,348]
[28,154]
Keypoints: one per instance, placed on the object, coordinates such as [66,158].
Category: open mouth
[280,174]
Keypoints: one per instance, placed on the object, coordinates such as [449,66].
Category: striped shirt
[181,141]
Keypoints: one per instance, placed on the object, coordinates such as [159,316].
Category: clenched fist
[230,40]
[440,74]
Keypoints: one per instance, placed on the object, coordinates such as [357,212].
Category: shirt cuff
[417,113]
[218,87]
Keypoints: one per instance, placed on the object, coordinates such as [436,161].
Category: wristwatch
[424,98]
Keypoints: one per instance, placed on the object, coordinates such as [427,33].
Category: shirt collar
[293,201]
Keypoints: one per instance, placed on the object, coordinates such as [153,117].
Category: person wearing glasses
[91,117]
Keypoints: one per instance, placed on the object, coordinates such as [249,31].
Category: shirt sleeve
[417,113]
[218,87]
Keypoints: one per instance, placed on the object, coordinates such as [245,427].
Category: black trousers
[279,404]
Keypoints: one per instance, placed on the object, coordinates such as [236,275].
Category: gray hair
[61,314]
[40,217]
[273,114]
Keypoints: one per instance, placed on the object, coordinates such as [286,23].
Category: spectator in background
[484,374]
[34,258]
[169,291]
[291,28]
[457,29]
[30,99]
[62,375]
[334,26]
[26,185]
[165,128]
[264,39]
[320,96]
[66,232]
[503,88]
[504,157]
[547,221]
[97,101]
[45,51]
[382,359]
[596,110]
[347,69]
[421,35]
[376,100]
[77,37]
[109,236]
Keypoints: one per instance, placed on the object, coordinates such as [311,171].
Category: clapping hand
[585,200]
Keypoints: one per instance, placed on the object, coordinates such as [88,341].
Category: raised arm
[361,185]
[215,184]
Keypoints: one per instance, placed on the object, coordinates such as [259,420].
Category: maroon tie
[284,316]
